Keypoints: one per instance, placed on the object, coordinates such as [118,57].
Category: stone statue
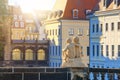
[68,52]
[77,47]
[71,54]
[72,50]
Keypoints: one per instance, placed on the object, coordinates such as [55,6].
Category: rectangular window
[53,31]
[59,32]
[56,31]
[56,49]
[104,3]
[16,24]
[112,26]
[75,13]
[20,17]
[80,32]
[115,2]
[47,31]
[97,27]
[101,29]
[87,51]
[22,24]
[106,26]
[118,2]
[50,32]
[97,50]
[112,50]
[15,17]
[82,49]
[59,50]
[93,50]
[71,31]
[30,29]
[93,28]
[53,50]
[107,50]
[118,25]
[101,50]
[87,32]
[118,50]
[50,50]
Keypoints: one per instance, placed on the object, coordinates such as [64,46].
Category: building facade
[22,46]
[67,20]
[104,36]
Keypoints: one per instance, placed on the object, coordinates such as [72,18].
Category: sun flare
[30,5]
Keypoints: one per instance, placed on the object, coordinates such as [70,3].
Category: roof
[110,5]
[68,5]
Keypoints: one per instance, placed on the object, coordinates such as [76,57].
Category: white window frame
[71,31]
[22,24]
[15,17]
[87,32]
[16,24]
[20,17]
[101,52]
[80,31]
[75,13]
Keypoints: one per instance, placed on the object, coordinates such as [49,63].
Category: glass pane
[16,54]
[41,54]
[28,54]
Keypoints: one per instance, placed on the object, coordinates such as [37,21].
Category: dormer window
[117,2]
[20,17]
[15,17]
[75,13]
[104,3]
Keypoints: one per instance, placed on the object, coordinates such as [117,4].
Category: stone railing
[104,73]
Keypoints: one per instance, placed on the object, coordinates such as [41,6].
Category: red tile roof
[68,5]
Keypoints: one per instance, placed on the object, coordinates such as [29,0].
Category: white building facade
[104,38]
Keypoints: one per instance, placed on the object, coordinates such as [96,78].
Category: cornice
[51,21]
[108,12]
[105,13]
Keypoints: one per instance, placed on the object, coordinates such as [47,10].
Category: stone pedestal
[78,68]
[76,62]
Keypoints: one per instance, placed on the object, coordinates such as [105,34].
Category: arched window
[16,54]
[29,54]
[41,54]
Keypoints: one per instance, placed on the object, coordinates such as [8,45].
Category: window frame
[71,31]
[75,13]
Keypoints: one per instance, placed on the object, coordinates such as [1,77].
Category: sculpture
[71,50]
[77,47]
[68,52]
